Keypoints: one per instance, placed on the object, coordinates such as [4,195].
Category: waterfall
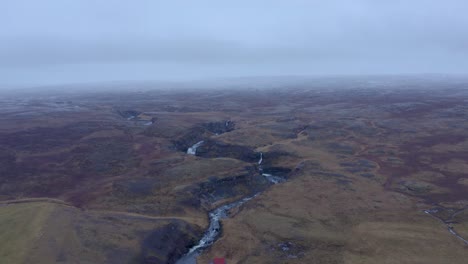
[193,149]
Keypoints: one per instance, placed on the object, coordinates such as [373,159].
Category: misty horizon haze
[55,42]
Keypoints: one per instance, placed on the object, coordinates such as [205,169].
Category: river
[213,231]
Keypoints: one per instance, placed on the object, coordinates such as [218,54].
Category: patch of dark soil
[411,162]
[414,187]
[446,157]
[104,156]
[457,191]
[46,138]
[58,173]
[190,200]
[359,166]
[135,187]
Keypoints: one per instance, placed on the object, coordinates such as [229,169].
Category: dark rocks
[217,189]
[215,149]
[193,136]
[272,157]
[219,127]
[202,132]
[135,187]
[415,187]
[277,171]
[169,243]
[275,175]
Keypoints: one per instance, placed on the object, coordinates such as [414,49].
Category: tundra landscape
[295,170]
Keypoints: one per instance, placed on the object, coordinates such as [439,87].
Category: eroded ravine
[448,222]
[213,231]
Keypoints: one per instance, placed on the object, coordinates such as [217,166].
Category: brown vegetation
[361,166]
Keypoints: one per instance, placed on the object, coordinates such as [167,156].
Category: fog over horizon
[64,41]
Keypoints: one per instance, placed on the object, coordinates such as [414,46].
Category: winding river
[213,231]
[447,223]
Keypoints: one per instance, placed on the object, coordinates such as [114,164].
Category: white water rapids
[215,216]
[212,233]
[271,178]
[450,228]
[193,149]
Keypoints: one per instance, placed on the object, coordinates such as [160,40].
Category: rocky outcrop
[190,138]
[217,189]
[277,171]
[215,149]
[202,132]
[219,127]
[169,243]
[206,194]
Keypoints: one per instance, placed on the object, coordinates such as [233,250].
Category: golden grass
[420,241]
[21,226]
[49,232]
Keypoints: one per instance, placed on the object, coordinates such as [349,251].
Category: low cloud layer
[62,41]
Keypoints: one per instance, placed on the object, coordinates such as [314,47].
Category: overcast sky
[69,41]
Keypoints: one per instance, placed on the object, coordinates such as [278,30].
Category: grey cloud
[74,41]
